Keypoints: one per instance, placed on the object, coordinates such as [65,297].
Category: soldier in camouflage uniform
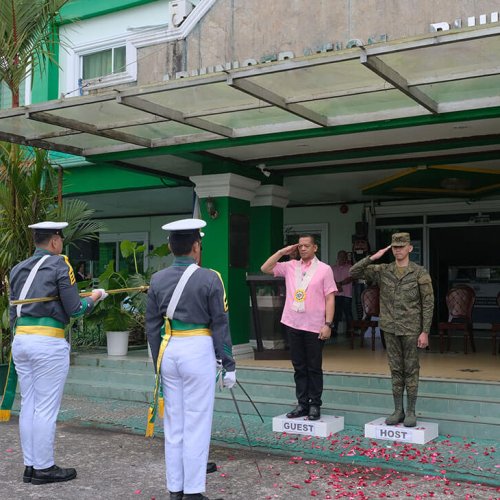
[406,307]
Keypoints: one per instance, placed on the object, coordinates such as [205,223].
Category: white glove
[230,379]
[102,296]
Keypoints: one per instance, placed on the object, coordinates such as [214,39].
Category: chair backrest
[460,301]
[370,299]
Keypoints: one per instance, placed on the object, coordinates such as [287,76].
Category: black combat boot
[411,398]
[399,413]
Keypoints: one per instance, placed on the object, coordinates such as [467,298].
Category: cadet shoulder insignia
[71,273]
[226,307]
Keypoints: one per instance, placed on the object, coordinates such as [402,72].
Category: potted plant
[111,314]
[123,313]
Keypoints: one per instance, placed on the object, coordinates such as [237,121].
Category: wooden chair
[460,302]
[495,328]
[370,300]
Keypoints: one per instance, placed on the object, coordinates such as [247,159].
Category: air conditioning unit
[179,10]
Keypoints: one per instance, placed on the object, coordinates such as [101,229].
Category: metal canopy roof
[430,75]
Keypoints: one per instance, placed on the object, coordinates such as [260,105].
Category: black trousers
[306,351]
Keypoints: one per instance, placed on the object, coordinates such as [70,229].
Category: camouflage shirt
[406,301]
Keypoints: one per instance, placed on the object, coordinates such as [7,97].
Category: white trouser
[42,364]
[188,377]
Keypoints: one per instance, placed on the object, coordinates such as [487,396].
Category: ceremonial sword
[142,288]
[244,427]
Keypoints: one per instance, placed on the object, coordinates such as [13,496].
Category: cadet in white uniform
[40,351]
[187,359]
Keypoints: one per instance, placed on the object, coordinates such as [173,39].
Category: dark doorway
[466,255]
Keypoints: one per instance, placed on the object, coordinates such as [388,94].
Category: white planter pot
[117,343]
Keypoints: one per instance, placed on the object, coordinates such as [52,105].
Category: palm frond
[28,40]
[81,226]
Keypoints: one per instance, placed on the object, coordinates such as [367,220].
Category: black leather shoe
[28,474]
[176,495]
[299,411]
[211,467]
[314,412]
[197,496]
[52,474]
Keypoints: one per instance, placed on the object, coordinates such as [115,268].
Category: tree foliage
[28,194]
[28,39]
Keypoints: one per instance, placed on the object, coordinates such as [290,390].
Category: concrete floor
[339,357]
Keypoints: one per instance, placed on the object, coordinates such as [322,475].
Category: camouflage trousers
[402,353]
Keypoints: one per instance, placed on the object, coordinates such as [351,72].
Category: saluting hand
[379,254]
[289,249]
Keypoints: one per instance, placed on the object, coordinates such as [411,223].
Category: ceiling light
[455,183]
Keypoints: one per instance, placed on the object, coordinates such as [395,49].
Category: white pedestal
[421,434]
[324,427]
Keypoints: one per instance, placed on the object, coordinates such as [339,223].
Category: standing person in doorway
[40,351]
[360,250]
[308,316]
[406,307]
[80,272]
[187,327]
[343,298]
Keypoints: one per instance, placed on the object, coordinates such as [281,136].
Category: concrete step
[143,378]
[105,390]
[462,408]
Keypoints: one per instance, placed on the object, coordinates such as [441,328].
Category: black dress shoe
[176,495]
[52,474]
[314,412]
[28,474]
[211,467]
[298,411]
[197,496]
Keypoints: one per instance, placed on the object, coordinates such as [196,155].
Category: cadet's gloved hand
[101,297]
[230,379]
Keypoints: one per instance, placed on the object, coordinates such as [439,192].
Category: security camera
[263,169]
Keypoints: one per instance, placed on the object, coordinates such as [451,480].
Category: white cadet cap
[184,226]
[49,226]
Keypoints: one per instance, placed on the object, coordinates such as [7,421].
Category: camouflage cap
[400,239]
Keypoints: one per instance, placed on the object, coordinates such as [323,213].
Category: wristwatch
[329,324]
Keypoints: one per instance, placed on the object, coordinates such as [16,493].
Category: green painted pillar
[46,78]
[228,216]
[266,229]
